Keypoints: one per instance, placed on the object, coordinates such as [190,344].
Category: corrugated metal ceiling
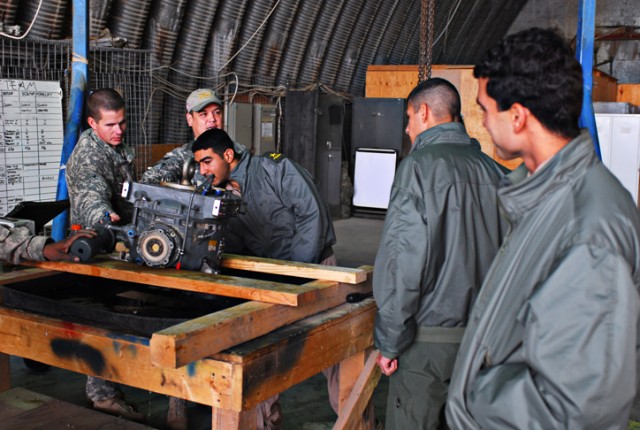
[266,46]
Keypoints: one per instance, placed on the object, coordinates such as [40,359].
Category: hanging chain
[427,16]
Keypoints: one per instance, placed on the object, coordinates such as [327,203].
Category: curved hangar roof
[280,42]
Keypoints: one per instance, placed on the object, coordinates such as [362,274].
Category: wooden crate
[230,360]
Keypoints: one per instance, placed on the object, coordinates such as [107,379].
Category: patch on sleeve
[275,156]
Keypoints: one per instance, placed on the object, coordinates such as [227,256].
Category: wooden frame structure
[230,360]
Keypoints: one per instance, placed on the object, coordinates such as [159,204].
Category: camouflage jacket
[95,173]
[17,244]
[169,168]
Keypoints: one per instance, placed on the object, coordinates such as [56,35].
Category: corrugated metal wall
[267,45]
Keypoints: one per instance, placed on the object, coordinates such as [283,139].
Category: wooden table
[230,360]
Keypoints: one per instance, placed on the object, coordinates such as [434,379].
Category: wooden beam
[201,337]
[237,380]
[188,280]
[292,354]
[114,356]
[346,275]
[25,275]
[351,412]
[223,419]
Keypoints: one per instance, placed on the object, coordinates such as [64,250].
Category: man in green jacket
[552,341]
[441,231]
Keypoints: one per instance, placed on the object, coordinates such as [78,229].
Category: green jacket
[552,342]
[441,231]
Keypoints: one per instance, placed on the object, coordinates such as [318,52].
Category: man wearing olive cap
[204,111]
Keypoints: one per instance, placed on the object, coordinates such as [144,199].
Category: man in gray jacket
[552,341]
[441,231]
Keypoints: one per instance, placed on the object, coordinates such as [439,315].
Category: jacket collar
[451,133]
[239,173]
[519,192]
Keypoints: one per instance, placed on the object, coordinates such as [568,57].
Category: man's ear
[424,112]
[228,155]
[92,122]
[519,115]
[189,119]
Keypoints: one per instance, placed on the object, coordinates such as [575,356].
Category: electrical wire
[264,21]
[33,21]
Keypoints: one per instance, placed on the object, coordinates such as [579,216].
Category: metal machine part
[172,226]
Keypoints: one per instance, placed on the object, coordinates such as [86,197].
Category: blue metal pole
[584,53]
[79,79]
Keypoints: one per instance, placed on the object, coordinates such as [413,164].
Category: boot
[117,406]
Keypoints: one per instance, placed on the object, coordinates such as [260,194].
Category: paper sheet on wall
[30,142]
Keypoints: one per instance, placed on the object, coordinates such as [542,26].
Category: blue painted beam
[584,53]
[73,127]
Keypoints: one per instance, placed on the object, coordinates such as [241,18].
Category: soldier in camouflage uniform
[18,244]
[100,163]
[204,111]
[98,166]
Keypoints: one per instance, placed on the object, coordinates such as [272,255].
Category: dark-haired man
[285,219]
[552,341]
[441,231]
[97,167]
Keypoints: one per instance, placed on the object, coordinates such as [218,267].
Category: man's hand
[59,251]
[387,365]
[114,217]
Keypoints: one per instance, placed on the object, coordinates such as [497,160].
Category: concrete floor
[305,406]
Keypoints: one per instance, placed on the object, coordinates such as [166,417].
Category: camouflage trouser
[99,389]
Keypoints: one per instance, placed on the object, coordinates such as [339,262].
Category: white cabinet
[619,136]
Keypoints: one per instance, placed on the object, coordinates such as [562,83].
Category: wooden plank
[291,268]
[188,280]
[351,413]
[114,356]
[25,275]
[222,419]
[292,354]
[207,335]
[237,380]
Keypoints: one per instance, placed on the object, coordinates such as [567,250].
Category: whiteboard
[30,142]
[374,171]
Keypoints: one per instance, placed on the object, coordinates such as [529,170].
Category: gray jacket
[552,342]
[95,172]
[285,216]
[441,231]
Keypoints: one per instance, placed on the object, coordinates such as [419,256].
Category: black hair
[215,139]
[106,99]
[537,69]
[440,95]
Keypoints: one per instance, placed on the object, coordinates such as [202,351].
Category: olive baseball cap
[201,98]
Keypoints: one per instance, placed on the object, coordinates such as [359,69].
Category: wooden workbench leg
[350,370]
[5,373]
[224,419]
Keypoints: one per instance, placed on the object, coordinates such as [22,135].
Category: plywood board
[629,93]
[398,81]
